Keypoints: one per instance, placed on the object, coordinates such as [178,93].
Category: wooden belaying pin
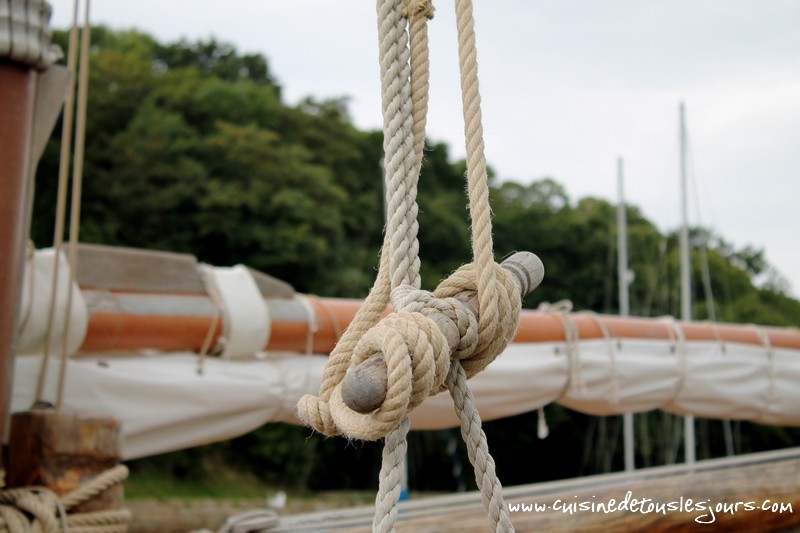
[365,385]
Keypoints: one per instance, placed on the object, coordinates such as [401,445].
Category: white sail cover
[163,404]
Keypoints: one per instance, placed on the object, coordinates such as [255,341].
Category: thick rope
[394,453]
[399,255]
[478,451]
[499,316]
[415,351]
[39,510]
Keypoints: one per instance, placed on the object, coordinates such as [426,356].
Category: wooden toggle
[365,385]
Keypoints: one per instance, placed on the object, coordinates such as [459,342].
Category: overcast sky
[567,86]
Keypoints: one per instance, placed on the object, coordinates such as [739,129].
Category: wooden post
[62,451]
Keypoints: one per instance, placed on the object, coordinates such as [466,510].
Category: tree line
[191,148]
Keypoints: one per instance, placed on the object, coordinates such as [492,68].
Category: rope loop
[417,361]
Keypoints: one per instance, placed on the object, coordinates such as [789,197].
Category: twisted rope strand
[401,182]
[392,459]
[478,450]
[404,262]
[418,16]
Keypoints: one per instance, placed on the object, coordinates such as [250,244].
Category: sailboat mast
[686,296]
[622,245]
[623,281]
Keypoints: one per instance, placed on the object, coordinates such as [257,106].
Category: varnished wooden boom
[132,321]
[131,308]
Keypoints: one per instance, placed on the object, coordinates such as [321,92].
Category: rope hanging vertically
[411,349]
[61,199]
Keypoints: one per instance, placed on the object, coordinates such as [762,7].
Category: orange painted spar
[108,331]
[172,332]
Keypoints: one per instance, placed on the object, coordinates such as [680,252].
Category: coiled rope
[417,354]
[39,510]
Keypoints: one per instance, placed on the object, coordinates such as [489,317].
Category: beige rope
[478,451]
[37,509]
[77,185]
[61,198]
[415,351]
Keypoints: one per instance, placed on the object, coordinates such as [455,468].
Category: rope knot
[418,7]
[417,359]
[453,317]
[498,311]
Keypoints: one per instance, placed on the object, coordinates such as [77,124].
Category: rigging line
[77,183]
[61,202]
[703,245]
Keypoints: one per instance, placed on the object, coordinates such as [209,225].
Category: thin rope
[61,199]
[335,325]
[609,338]
[770,353]
[561,310]
[77,185]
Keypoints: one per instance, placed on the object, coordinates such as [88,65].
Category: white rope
[561,310]
[612,353]
[681,348]
[765,341]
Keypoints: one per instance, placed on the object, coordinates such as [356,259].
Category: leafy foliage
[191,148]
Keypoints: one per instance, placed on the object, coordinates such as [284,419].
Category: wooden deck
[748,480]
